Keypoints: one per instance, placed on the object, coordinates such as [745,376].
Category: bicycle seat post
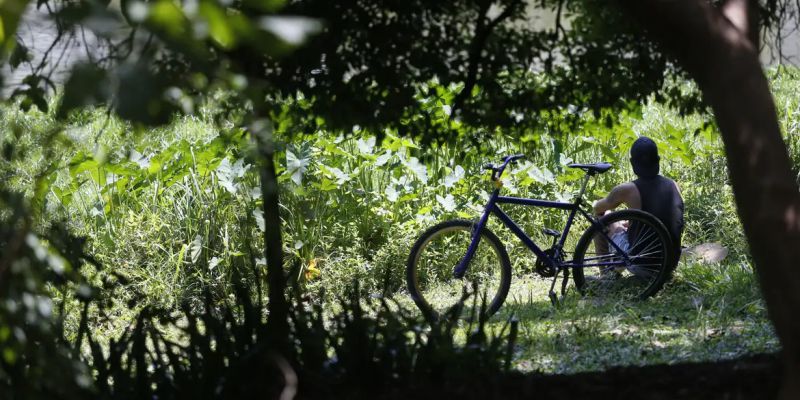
[583,187]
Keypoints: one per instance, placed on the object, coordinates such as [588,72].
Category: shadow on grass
[689,320]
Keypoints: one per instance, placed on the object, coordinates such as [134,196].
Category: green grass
[707,312]
[352,209]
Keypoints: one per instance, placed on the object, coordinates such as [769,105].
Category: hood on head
[644,157]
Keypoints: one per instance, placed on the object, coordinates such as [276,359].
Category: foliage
[31,332]
[352,206]
[218,345]
[510,60]
[177,214]
[365,350]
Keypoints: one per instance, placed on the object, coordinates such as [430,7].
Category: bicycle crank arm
[551,293]
[554,299]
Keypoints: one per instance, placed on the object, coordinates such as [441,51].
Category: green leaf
[43,185]
[181,254]
[10,13]
[448,202]
[19,55]
[196,248]
[268,6]
[407,197]
[166,14]
[218,26]
[80,163]
[64,195]
[327,184]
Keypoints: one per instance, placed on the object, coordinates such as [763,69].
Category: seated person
[651,192]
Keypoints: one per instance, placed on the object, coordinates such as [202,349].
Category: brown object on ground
[707,253]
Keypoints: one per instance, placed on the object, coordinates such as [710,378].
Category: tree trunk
[277,321]
[718,52]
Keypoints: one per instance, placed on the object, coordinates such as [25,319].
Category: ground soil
[751,377]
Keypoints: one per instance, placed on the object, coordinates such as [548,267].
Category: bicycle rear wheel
[632,258]
[429,272]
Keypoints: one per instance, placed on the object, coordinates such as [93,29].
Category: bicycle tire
[415,259]
[649,266]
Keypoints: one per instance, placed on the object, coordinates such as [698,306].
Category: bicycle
[633,256]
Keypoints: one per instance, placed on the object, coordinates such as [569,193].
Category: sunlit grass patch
[707,312]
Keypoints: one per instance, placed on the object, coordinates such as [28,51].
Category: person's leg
[616,232]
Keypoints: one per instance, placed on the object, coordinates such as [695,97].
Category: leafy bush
[32,339]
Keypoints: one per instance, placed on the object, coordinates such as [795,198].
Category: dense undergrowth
[172,223]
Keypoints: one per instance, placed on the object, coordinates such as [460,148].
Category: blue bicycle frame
[492,207]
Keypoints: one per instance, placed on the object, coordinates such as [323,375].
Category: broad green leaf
[391,193]
[465,215]
[259,217]
[296,166]
[196,248]
[365,146]
[447,202]
[407,197]
[218,25]
[409,144]
[42,188]
[228,173]
[327,184]
[454,177]
[166,15]
[335,173]
[10,13]
[419,169]
[383,158]
[64,195]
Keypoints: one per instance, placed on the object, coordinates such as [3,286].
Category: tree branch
[482,33]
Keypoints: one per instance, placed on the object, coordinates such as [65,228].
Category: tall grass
[175,210]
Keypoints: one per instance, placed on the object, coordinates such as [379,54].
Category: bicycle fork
[461,269]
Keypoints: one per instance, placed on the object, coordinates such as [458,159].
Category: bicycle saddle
[596,168]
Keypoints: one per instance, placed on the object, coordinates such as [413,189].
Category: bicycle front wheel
[429,272]
[632,257]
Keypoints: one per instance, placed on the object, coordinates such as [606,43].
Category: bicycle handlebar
[497,172]
[514,157]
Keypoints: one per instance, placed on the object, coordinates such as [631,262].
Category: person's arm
[623,193]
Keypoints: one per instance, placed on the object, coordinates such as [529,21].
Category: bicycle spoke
[651,246]
[434,266]
[626,261]
[648,255]
[641,238]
